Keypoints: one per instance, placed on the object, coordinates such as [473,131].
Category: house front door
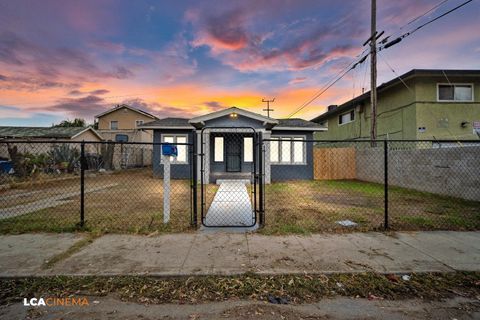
[233,153]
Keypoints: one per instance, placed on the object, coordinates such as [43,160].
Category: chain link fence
[107,186]
[365,185]
[309,186]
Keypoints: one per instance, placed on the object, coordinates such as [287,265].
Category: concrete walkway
[226,253]
[49,202]
[231,205]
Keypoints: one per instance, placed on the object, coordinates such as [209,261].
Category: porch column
[206,157]
[267,135]
[199,157]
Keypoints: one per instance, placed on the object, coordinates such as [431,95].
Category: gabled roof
[45,132]
[118,107]
[396,81]
[275,124]
[298,124]
[168,123]
[226,112]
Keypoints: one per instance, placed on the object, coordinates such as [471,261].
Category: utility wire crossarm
[268,106]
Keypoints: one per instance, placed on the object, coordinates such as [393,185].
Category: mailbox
[169,150]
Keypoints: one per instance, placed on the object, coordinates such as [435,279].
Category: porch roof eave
[298,129]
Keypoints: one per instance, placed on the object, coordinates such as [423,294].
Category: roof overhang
[87,129]
[226,112]
[298,129]
[166,127]
[127,107]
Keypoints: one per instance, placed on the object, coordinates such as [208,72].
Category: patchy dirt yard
[124,201]
[132,201]
[316,206]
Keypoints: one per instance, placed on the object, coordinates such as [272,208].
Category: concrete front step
[233,181]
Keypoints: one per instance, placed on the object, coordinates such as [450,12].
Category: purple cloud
[215,105]
[32,83]
[233,37]
[20,55]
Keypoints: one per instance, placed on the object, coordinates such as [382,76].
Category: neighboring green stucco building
[421,104]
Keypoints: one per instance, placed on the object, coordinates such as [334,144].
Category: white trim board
[86,129]
[125,106]
[229,111]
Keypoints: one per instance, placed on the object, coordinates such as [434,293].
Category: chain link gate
[230,176]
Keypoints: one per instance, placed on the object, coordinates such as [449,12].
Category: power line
[438,5]
[406,34]
[383,58]
[329,84]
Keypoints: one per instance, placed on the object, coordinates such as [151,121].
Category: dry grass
[132,201]
[316,206]
[126,201]
[293,288]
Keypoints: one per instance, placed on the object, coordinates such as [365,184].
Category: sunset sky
[66,59]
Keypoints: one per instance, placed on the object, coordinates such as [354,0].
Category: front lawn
[316,206]
[124,201]
[131,201]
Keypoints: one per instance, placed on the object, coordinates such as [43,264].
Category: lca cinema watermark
[56,301]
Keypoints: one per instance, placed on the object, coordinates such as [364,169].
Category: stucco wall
[446,171]
[442,120]
[134,135]
[126,119]
[396,117]
[402,111]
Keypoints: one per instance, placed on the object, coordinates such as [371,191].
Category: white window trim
[136,125]
[111,124]
[223,151]
[455,84]
[341,114]
[281,138]
[253,153]
[175,136]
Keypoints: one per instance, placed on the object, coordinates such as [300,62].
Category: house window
[346,117]
[181,149]
[248,149]
[138,123]
[114,125]
[274,154]
[121,138]
[287,150]
[218,149]
[298,145]
[455,92]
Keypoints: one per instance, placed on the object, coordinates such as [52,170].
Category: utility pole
[268,106]
[373,72]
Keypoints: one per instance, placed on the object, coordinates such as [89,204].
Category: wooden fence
[334,163]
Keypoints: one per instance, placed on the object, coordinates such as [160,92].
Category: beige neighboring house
[122,124]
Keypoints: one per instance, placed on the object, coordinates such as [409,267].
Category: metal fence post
[166,189]
[385,169]
[261,180]
[82,184]
[194,179]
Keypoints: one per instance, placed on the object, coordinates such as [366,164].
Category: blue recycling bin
[169,150]
[6,166]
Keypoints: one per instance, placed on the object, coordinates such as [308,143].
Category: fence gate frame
[256,179]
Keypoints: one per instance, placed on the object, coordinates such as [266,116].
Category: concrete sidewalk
[225,254]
